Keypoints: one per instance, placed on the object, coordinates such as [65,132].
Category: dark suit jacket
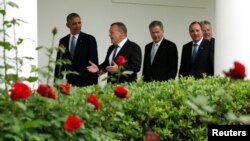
[85,50]
[165,63]
[212,41]
[204,61]
[130,51]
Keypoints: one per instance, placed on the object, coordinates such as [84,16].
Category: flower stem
[4,51]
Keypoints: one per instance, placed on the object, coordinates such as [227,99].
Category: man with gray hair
[207,31]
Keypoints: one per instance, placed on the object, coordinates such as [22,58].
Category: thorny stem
[50,56]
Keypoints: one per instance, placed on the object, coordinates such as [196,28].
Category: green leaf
[6,45]
[28,58]
[231,116]
[20,105]
[40,47]
[20,40]
[244,118]
[32,79]
[3,12]
[12,4]
[127,73]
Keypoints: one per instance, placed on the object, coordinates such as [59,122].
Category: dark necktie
[114,53]
[195,46]
[72,46]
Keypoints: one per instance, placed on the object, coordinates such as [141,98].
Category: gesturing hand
[112,68]
[92,68]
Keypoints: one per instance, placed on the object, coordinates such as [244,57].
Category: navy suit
[85,50]
[130,51]
[164,65]
[203,63]
[212,41]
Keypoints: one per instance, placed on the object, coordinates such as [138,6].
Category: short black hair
[72,15]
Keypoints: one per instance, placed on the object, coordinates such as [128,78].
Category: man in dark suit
[122,46]
[208,31]
[80,48]
[161,56]
[198,55]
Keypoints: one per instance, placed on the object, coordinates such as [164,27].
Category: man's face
[74,25]
[195,32]
[156,33]
[115,34]
[206,28]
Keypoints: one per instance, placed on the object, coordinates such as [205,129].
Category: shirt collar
[122,42]
[76,35]
[199,42]
[158,43]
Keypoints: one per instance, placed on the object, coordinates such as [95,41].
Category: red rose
[64,88]
[120,91]
[93,100]
[72,123]
[151,136]
[20,91]
[238,72]
[46,91]
[120,61]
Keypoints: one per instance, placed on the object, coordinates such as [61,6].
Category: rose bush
[168,115]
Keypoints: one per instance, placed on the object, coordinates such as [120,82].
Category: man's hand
[112,68]
[92,68]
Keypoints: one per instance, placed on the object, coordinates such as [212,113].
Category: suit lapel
[149,52]
[123,50]
[159,50]
[200,50]
[190,52]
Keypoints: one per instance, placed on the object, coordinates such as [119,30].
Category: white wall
[97,15]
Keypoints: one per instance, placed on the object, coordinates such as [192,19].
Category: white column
[232,34]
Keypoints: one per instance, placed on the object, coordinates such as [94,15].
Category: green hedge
[176,110]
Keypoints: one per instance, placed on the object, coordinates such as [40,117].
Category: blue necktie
[72,46]
[194,52]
